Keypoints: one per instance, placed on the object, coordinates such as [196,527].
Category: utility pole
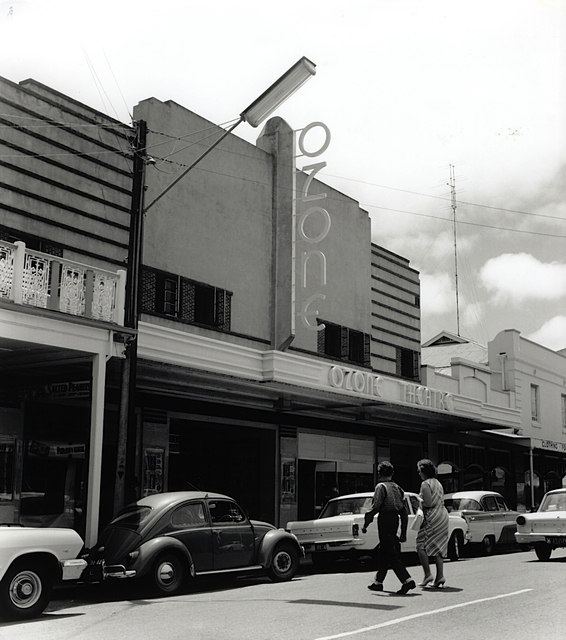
[453,194]
[125,457]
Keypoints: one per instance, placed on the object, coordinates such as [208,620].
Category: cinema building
[275,351]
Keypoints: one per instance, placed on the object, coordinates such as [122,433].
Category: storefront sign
[313,260]
[373,385]
[549,445]
[59,390]
[56,450]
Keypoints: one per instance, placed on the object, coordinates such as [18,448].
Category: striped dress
[433,534]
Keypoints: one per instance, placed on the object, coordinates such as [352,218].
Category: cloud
[437,294]
[516,277]
[552,334]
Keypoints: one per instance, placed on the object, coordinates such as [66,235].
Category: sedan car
[490,521]
[337,532]
[167,537]
[544,530]
[32,559]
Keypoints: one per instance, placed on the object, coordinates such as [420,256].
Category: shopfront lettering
[319,220]
[426,397]
[357,381]
[550,444]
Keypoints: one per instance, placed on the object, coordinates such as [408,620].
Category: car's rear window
[131,518]
[554,502]
[346,506]
[462,504]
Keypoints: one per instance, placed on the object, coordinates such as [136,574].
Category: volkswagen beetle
[167,537]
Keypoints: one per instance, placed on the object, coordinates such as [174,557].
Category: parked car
[31,560]
[490,521]
[337,532]
[544,530]
[166,537]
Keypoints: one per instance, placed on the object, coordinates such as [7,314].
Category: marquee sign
[312,261]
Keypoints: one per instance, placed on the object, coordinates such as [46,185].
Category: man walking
[389,503]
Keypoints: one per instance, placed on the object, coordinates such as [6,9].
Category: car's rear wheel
[455,545]
[543,551]
[489,545]
[25,590]
[167,574]
[284,564]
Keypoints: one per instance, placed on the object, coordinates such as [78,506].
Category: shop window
[447,475]
[341,342]
[407,363]
[185,300]
[6,471]
[473,478]
[535,403]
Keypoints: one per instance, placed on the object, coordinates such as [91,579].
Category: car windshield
[132,517]
[346,506]
[554,502]
[462,504]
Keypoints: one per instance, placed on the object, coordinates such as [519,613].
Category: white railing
[42,280]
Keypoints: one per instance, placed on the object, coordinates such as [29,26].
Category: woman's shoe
[439,584]
[425,581]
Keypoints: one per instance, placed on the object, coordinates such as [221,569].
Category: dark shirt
[390,497]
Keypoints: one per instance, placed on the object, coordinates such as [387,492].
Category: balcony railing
[41,280]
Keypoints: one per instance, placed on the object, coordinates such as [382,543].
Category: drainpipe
[532,472]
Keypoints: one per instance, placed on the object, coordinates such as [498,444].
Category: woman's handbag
[417,522]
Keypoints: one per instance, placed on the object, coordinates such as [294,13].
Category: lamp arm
[193,164]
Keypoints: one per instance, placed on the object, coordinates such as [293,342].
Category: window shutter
[149,291]
[367,349]
[344,342]
[321,339]
[416,365]
[223,309]
[398,362]
[187,300]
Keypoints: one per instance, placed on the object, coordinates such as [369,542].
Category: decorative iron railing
[50,282]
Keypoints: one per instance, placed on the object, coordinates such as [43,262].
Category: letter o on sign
[312,125]
[336,377]
[325,230]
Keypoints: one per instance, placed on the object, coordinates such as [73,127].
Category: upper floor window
[535,403]
[185,300]
[407,363]
[563,411]
[344,343]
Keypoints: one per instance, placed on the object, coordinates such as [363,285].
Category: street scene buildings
[241,333]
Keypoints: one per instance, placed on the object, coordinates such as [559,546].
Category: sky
[422,97]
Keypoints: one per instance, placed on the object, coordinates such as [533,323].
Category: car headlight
[521,520]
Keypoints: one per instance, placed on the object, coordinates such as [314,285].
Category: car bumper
[557,540]
[99,571]
[72,569]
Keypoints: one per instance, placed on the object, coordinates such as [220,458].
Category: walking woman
[432,538]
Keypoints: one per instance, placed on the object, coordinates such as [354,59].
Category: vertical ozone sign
[311,225]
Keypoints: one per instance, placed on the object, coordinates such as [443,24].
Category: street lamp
[254,115]
[258,110]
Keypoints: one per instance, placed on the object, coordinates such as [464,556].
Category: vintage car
[167,537]
[544,530]
[32,560]
[337,532]
[490,521]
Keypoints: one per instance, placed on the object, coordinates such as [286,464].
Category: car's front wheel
[543,551]
[25,590]
[285,563]
[167,574]
[455,545]
[489,545]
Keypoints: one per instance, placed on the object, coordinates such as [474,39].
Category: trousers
[389,553]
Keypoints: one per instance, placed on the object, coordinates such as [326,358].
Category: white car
[337,532]
[490,521]
[31,561]
[544,530]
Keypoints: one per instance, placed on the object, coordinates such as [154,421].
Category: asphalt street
[507,596]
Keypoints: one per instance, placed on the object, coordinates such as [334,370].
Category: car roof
[364,494]
[158,500]
[563,490]
[474,495]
